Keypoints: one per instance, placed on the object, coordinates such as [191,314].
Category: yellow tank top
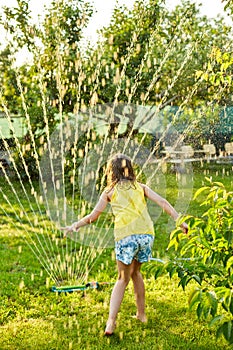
[130,211]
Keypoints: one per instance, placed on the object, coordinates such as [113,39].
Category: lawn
[33,317]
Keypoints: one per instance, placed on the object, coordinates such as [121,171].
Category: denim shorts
[136,247]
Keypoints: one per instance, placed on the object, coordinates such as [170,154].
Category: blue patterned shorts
[136,247]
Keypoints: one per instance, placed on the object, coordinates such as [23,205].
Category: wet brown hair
[119,168]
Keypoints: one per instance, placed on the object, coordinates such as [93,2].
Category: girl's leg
[124,272]
[139,290]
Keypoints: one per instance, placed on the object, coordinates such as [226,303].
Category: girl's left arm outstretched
[164,204]
[88,219]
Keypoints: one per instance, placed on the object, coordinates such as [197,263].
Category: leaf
[224,306]
[213,302]
[174,233]
[199,73]
[231,306]
[229,263]
[229,235]
[227,298]
[227,331]
[197,278]
[216,319]
[158,272]
[205,76]
[219,331]
[196,222]
[195,297]
[220,291]
[199,310]
[219,184]
[172,243]
[183,282]
[200,190]
[171,271]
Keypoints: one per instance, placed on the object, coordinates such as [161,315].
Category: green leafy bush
[206,257]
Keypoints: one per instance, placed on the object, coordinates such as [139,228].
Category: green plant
[206,256]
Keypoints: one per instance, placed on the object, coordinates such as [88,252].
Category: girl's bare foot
[110,327]
[142,318]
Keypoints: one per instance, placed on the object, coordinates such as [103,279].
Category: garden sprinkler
[71,289]
[68,289]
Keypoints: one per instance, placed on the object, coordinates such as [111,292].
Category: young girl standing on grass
[133,231]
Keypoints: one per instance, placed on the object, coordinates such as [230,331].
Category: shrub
[206,257]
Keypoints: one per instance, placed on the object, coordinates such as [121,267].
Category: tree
[49,85]
[151,55]
[8,82]
[54,44]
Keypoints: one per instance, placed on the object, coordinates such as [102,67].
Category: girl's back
[130,210]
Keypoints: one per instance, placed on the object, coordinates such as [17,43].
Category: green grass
[43,320]
[33,317]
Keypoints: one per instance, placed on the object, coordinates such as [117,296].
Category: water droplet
[21,285]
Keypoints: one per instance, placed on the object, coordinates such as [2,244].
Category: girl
[133,231]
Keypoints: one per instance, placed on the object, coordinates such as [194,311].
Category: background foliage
[147,55]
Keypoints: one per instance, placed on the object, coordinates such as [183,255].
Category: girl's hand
[69,229]
[184,227]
